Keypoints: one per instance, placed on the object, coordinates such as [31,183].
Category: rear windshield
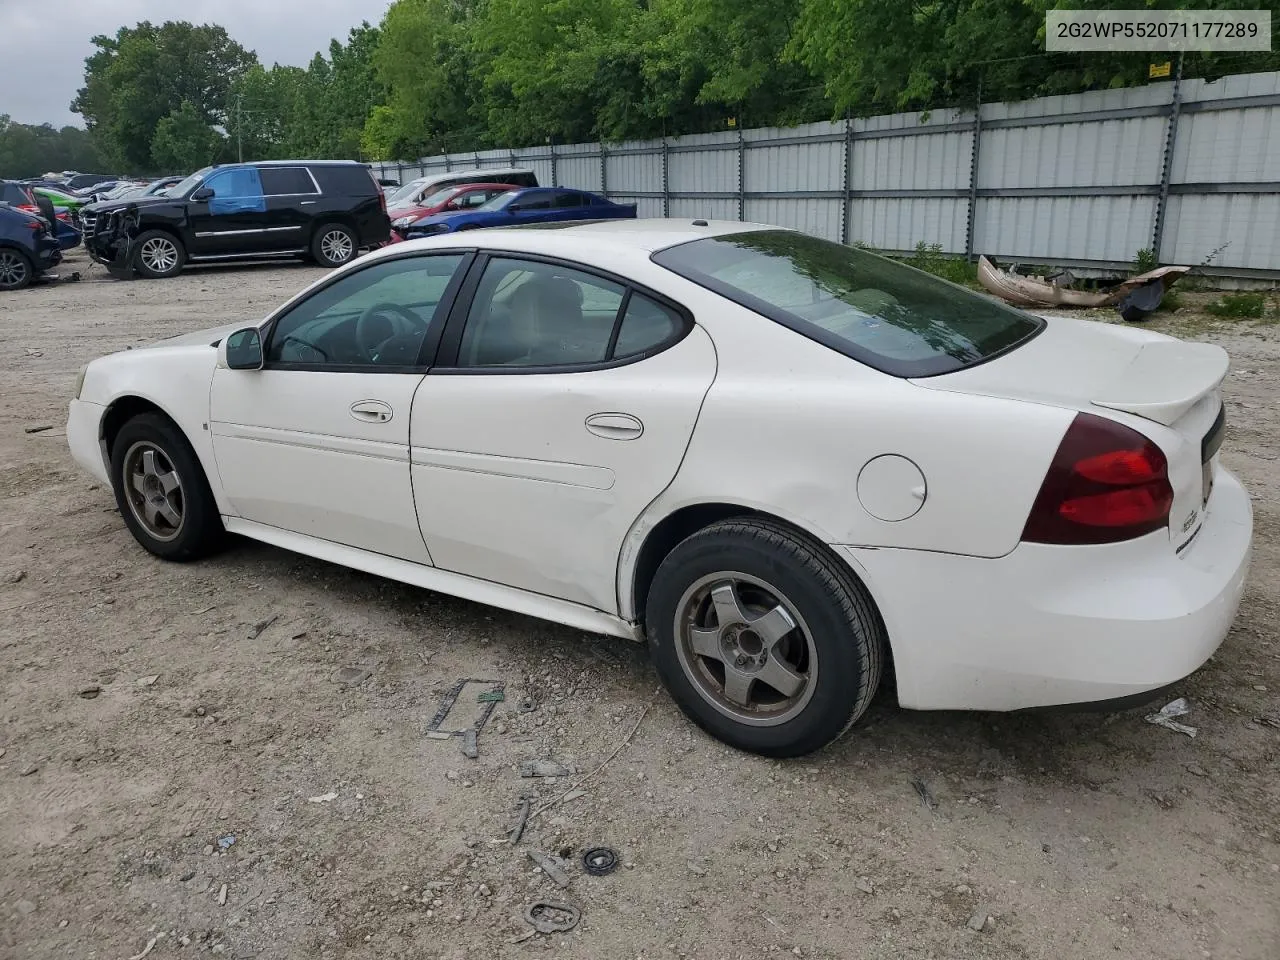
[891,317]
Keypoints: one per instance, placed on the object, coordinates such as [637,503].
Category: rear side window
[891,317]
[645,326]
[285,181]
[346,180]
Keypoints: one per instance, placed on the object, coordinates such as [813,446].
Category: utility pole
[239,129]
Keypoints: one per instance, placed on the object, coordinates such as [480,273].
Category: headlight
[403,221]
[80,380]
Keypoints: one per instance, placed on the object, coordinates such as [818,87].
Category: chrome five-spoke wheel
[153,490]
[745,648]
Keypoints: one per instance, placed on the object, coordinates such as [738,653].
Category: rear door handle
[615,426]
[371,411]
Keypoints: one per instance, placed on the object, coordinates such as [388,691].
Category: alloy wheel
[153,490]
[336,246]
[159,254]
[746,649]
[13,269]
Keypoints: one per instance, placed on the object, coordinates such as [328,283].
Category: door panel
[513,485]
[292,453]
[232,221]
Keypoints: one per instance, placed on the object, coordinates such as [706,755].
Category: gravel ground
[172,770]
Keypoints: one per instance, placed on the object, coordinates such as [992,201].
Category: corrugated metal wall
[1079,179]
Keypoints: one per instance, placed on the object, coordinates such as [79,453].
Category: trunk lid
[1095,367]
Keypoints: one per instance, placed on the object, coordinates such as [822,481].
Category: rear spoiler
[1166,379]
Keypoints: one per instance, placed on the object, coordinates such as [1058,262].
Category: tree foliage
[29,151]
[453,75]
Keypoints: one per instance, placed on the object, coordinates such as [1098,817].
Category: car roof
[297,163]
[640,236]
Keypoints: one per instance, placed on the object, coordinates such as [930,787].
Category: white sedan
[785,462]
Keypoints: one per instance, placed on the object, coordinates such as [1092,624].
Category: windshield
[500,201]
[889,316]
[439,197]
[404,194]
[187,185]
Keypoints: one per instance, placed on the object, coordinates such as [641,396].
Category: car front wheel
[334,245]
[161,489]
[762,639]
[159,255]
[16,270]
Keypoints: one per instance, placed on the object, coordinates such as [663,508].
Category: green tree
[184,142]
[30,150]
[146,73]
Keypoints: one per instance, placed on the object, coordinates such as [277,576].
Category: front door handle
[306,203]
[371,411]
[615,426]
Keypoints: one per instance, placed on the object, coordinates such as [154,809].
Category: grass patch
[1238,306]
[930,258]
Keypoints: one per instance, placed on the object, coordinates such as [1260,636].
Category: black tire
[832,611]
[200,530]
[16,269]
[158,255]
[330,241]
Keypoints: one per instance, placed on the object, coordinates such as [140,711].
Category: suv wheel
[15,269]
[333,245]
[762,639]
[159,255]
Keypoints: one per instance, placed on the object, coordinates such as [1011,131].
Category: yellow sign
[1159,69]
[732,121]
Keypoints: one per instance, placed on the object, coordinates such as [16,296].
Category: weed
[1171,302]
[1238,306]
[1145,261]
[930,258]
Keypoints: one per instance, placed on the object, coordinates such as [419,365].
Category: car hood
[395,213]
[110,206]
[198,338]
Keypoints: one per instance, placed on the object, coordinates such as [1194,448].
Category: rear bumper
[1051,625]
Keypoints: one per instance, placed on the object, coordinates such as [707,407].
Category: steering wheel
[383,321]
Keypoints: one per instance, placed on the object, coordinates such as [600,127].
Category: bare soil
[1088,836]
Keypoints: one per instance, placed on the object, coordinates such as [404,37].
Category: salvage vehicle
[538,205]
[326,210]
[783,461]
[27,249]
[415,191]
[60,198]
[458,198]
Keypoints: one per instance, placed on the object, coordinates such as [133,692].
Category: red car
[458,198]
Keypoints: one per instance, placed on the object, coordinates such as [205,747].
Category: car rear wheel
[762,639]
[159,255]
[161,490]
[334,245]
[16,270]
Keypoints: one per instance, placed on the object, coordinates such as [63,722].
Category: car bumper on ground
[84,437]
[1054,625]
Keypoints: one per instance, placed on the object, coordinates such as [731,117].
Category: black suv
[323,209]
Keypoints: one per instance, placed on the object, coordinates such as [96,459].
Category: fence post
[604,172]
[845,227]
[447,165]
[973,174]
[513,159]
[1166,169]
[742,177]
[555,181]
[666,192]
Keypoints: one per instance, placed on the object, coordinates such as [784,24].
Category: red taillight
[28,207]
[1106,483]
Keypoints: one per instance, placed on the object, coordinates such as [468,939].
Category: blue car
[26,248]
[532,205]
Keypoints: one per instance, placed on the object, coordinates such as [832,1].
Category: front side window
[889,316]
[527,314]
[286,181]
[376,317]
[238,190]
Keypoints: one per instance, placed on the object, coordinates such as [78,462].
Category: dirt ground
[247,802]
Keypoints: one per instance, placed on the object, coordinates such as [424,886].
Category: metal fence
[1187,168]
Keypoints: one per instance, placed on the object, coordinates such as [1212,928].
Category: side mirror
[204,193]
[244,349]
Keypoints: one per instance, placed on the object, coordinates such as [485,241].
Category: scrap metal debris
[522,820]
[491,696]
[552,869]
[1174,708]
[487,698]
[548,917]
[40,429]
[470,748]
[599,861]
[256,630]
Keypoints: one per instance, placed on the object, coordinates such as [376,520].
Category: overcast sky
[43,44]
